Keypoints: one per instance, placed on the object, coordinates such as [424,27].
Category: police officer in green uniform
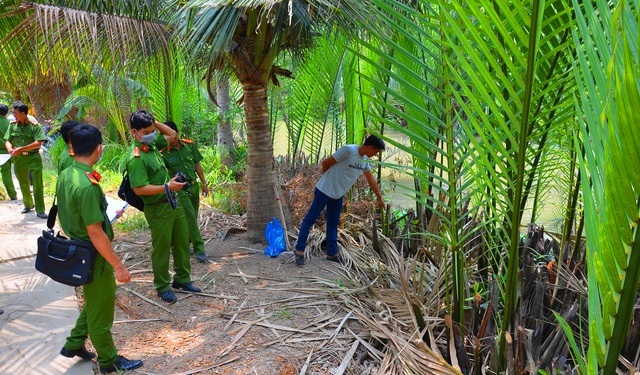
[23,141]
[169,233]
[183,156]
[6,167]
[83,216]
[66,156]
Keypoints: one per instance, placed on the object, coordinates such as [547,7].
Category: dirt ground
[257,315]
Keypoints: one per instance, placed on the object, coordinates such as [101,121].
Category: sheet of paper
[113,205]
[4,158]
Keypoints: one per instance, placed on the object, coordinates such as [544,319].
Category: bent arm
[31,146]
[169,134]
[327,163]
[200,173]
[158,189]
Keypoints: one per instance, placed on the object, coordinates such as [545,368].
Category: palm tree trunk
[226,146]
[260,173]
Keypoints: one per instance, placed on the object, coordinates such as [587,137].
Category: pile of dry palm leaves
[361,321]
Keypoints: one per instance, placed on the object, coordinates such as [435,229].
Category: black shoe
[42,215]
[25,210]
[122,364]
[82,353]
[191,251]
[335,258]
[168,296]
[299,259]
[1,311]
[187,287]
[202,257]
[13,198]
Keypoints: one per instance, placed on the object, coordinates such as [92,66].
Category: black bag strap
[53,213]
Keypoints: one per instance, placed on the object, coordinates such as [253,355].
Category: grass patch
[283,314]
[132,222]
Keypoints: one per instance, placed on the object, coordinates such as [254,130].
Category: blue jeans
[334,208]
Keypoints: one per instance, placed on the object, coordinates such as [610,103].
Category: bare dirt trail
[257,315]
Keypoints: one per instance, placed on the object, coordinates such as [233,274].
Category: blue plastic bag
[275,238]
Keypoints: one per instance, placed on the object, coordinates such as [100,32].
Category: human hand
[381,203]
[122,274]
[15,151]
[119,213]
[174,185]
[205,190]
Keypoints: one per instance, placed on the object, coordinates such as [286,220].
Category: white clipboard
[114,205]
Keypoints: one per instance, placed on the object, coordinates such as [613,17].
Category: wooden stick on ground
[209,295]
[306,364]
[147,299]
[347,358]
[140,320]
[195,371]
[236,314]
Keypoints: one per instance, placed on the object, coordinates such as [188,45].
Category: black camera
[180,177]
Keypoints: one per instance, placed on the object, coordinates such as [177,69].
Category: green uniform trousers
[22,165]
[191,204]
[96,317]
[7,180]
[169,236]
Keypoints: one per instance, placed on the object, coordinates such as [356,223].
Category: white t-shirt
[341,176]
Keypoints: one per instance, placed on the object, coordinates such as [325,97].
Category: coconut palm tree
[244,36]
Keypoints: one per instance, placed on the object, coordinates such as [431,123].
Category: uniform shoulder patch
[91,178]
[187,140]
[136,152]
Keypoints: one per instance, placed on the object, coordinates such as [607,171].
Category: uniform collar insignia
[96,175]
[145,148]
[92,178]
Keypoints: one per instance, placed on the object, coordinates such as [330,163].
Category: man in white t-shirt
[339,172]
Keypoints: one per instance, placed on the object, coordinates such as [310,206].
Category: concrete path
[38,312]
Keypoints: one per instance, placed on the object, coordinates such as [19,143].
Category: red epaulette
[92,178]
[187,140]
[136,152]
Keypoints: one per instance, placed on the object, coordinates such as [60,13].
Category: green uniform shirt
[4,126]
[65,160]
[81,202]
[24,134]
[183,159]
[146,167]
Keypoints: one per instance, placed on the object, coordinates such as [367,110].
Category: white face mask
[148,139]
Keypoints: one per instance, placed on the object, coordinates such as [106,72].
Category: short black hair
[4,109]
[374,141]
[20,106]
[66,128]
[172,125]
[141,119]
[85,139]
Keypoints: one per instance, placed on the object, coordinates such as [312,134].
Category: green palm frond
[606,71]
[313,101]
